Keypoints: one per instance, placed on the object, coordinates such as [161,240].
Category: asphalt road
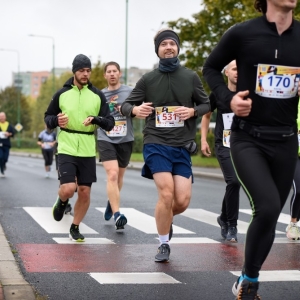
[120,265]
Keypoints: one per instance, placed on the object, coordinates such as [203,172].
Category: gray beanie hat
[165,34]
[81,61]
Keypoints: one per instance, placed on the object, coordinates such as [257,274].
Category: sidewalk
[12,284]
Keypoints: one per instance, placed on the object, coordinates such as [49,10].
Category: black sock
[74,226]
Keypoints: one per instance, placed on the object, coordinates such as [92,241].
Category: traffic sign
[18,127]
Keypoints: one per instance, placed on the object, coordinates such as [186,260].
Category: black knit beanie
[81,61]
[165,35]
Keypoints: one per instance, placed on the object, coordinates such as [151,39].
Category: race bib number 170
[275,81]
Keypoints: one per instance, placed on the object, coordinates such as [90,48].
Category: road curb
[13,285]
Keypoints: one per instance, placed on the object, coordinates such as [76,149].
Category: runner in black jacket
[264,157]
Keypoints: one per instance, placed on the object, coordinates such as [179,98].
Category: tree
[200,36]
[97,76]
[9,98]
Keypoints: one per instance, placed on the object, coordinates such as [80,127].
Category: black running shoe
[232,234]
[171,231]
[68,209]
[58,209]
[75,235]
[108,212]
[246,290]
[121,221]
[224,227]
[163,253]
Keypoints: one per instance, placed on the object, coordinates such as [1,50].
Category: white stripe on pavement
[43,216]
[195,240]
[87,241]
[210,218]
[285,240]
[288,275]
[249,212]
[144,222]
[133,278]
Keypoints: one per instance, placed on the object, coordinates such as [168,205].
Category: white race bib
[165,117]
[2,135]
[120,129]
[227,120]
[273,81]
[226,138]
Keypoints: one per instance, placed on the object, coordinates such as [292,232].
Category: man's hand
[63,120]
[184,113]
[142,111]
[88,121]
[205,148]
[241,106]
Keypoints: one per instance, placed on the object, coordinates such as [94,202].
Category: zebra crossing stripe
[278,275]
[43,216]
[134,278]
[282,218]
[144,222]
[87,241]
[211,218]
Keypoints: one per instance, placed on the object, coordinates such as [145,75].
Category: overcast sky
[95,28]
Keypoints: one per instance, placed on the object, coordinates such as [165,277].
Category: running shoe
[59,209]
[292,232]
[121,221]
[224,227]
[171,231]
[246,290]
[68,209]
[108,212]
[232,234]
[163,253]
[75,235]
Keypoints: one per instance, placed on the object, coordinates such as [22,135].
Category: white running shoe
[292,231]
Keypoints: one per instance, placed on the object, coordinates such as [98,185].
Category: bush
[28,143]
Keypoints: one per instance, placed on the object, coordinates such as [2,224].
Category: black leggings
[295,200]
[265,170]
[230,204]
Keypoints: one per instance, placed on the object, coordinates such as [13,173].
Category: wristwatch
[195,112]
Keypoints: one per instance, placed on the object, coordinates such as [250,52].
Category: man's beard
[80,81]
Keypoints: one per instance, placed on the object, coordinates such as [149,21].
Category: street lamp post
[18,93]
[53,57]
[126,38]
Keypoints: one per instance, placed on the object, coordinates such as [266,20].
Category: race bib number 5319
[165,117]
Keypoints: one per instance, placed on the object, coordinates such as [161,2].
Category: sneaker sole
[121,222]
[79,240]
[233,240]
[162,261]
[292,238]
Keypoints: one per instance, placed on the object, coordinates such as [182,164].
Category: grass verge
[197,160]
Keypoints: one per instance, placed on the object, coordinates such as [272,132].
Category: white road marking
[286,275]
[133,278]
[249,212]
[43,216]
[211,218]
[144,222]
[87,241]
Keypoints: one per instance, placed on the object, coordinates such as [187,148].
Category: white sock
[164,239]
